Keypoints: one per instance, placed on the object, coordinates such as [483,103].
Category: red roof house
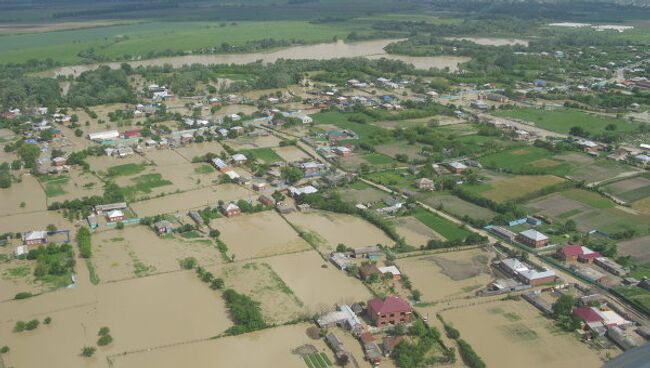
[391,310]
[134,133]
[588,315]
[574,252]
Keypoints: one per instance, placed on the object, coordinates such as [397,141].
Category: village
[362,213]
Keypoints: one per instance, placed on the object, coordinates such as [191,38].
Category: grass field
[364,131]
[139,39]
[268,155]
[204,169]
[398,178]
[456,206]
[440,225]
[54,185]
[144,184]
[562,121]
[524,159]
[637,296]
[125,170]
[378,159]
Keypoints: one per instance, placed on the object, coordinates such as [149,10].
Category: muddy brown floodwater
[324,51]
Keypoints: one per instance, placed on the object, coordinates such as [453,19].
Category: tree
[341,248]
[188,263]
[103,331]
[120,225]
[29,154]
[578,131]
[217,284]
[563,306]
[47,320]
[105,340]
[88,351]
[416,294]
[291,174]
[4,350]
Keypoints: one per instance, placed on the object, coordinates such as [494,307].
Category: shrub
[88,351]
[19,326]
[4,350]
[31,325]
[23,295]
[188,263]
[104,340]
[47,320]
[83,241]
[104,331]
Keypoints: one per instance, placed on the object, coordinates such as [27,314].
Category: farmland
[513,188]
[456,206]
[562,121]
[444,227]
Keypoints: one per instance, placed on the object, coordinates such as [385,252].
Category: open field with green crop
[630,190]
[125,41]
[397,178]
[562,121]
[440,225]
[267,155]
[524,159]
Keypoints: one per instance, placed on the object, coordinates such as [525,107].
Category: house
[296,192]
[133,133]
[230,210]
[101,208]
[588,146]
[367,270]
[392,310]
[525,273]
[260,185]
[341,260]
[267,201]
[238,159]
[312,169]
[643,160]
[479,105]
[342,151]
[115,216]
[424,184]
[574,252]
[58,161]
[392,270]
[594,315]
[496,97]
[104,135]
[220,165]
[456,167]
[532,238]
[344,317]
[34,237]
[284,208]
[163,227]
[92,221]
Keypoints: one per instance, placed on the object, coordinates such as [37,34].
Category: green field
[442,226]
[513,188]
[395,178]
[527,159]
[144,184]
[268,155]
[125,41]
[562,121]
[364,131]
[54,185]
[378,159]
[456,206]
[637,296]
[204,169]
[125,170]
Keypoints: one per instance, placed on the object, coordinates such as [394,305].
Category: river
[371,49]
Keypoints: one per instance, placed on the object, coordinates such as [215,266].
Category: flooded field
[415,232]
[78,185]
[199,149]
[334,228]
[259,281]
[515,334]
[137,251]
[243,143]
[325,51]
[32,221]
[319,288]
[141,313]
[17,276]
[490,41]
[257,235]
[448,275]
[273,346]
[102,163]
[24,197]
[181,202]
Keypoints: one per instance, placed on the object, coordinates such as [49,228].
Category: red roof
[392,304]
[587,314]
[573,250]
[132,133]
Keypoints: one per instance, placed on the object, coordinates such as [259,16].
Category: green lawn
[364,131]
[268,155]
[562,121]
[440,225]
[125,170]
[641,271]
[378,159]
[140,39]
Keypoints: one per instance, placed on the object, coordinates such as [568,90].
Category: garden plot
[638,248]
[448,276]
[101,164]
[182,202]
[17,276]
[243,143]
[331,229]
[257,235]
[512,188]
[456,206]
[141,314]
[362,193]
[165,157]
[630,190]
[190,151]
[259,281]
[277,345]
[515,334]
[24,197]
[404,148]
[76,184]
[592,170]
[188,176]
[137,251]
[291,153]
[319,288]
[415,232]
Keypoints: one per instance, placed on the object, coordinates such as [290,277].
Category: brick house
[574,252]
[424,183]
[116,216]
[34,237]
[390,311]
[532,238]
